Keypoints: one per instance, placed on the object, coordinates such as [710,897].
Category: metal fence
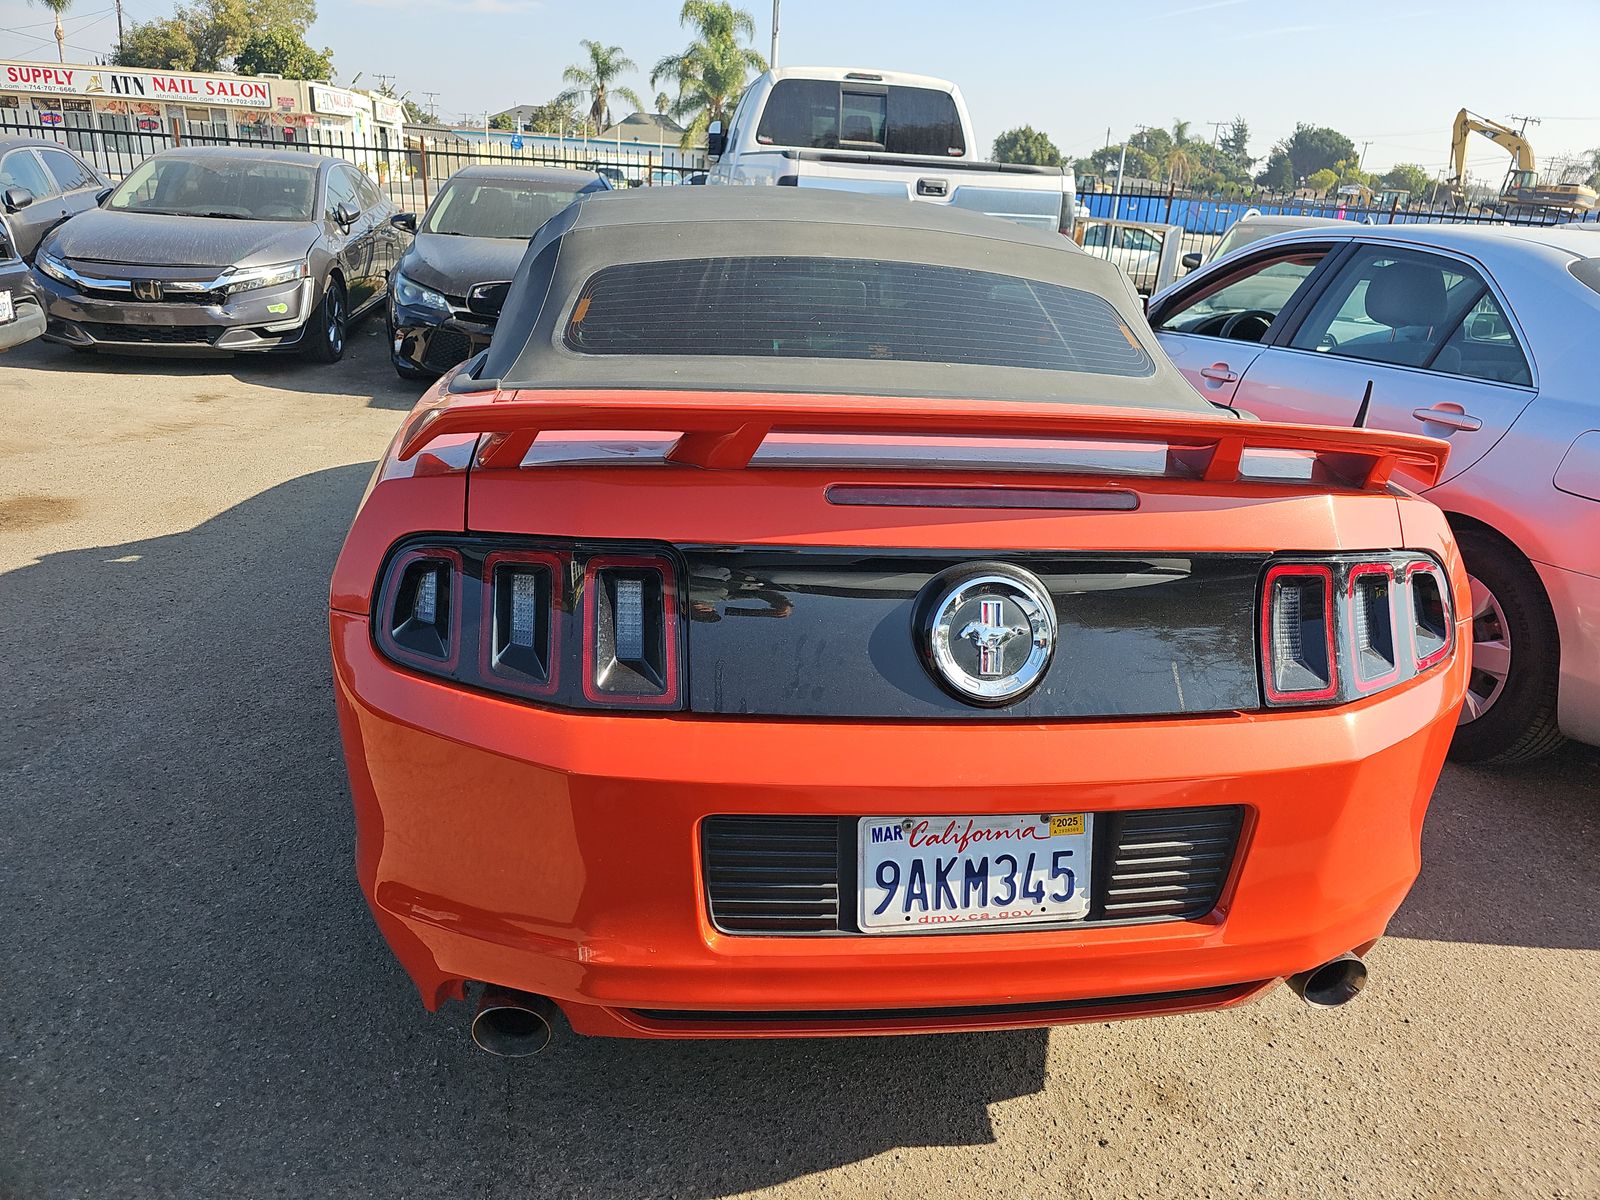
[1204,220]
[410,169]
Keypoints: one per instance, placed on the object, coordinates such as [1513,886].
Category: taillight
[1297,641]
[570,625]
[1432,630]
[418,603]
[1374,626]
[1348,626]
[630,648]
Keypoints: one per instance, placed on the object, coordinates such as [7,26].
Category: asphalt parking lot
[194,1001]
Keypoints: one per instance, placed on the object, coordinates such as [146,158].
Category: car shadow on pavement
[194,998]
[1511,865]
[364,370]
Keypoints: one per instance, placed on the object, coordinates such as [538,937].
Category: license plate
[7,311]
[923,873]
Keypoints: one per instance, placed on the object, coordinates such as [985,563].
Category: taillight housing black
[577,625]
[1338,628]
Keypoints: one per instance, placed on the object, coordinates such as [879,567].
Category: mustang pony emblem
[990,637]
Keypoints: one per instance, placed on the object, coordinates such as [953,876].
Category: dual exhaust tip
[511,1024]
[1336,982]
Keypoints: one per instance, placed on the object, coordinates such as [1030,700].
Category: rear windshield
[1587,272]
[826,114]
[242,189]
[848,308]
[495,209]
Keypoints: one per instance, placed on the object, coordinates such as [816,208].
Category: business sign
[387,112]
[337,101]
[136,85]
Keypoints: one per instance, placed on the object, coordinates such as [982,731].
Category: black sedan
[223,251]
[21,313]
[450,284]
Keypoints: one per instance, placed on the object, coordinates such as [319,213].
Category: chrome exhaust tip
[512,1024]
[1332,984]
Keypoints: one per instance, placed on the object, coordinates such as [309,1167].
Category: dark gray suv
[222,251]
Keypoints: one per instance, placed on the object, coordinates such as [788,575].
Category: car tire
[329,327]
[1513,692]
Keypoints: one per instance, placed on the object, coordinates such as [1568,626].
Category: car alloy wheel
[334,313]
[1491,652]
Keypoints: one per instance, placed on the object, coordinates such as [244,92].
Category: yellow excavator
[1522,189]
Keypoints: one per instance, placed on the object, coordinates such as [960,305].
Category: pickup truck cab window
[824,114]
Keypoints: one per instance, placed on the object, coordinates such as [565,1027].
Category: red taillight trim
[1439,655]
[669,621]
[393,574]
[1363,684]
[557,567]
[1303,571]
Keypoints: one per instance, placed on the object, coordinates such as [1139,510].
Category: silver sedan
[1486,336]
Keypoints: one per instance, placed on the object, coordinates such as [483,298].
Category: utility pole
[383,83]
[1361,163]
[1122,160]
[119,28]
[433,105]
[1522,128]
[773,60]
[1216,131]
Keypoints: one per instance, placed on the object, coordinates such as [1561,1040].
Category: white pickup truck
[881,132]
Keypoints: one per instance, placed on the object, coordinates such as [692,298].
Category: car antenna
[1366,403]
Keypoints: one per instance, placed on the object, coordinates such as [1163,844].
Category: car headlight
[54,267]
[414,295]
[245,279]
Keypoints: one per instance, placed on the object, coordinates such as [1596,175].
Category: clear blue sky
[1393,72]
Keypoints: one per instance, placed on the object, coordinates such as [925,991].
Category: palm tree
[596,81]
[58,7]
[663,102]
[712,71]
[1179,162]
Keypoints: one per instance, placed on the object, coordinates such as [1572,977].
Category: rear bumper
[556,852]
[1575,598]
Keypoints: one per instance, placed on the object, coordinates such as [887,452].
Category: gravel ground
[194,1001]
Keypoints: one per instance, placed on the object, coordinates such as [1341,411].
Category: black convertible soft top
[779,289]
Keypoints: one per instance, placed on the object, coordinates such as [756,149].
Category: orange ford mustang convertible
[815,615]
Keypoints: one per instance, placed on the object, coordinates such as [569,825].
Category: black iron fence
[410,168]
[1203,220]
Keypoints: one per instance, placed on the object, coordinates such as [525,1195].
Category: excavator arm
[1508,139]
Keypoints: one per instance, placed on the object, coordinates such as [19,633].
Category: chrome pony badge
[988,630]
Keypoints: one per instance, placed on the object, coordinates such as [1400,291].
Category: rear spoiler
[723,431]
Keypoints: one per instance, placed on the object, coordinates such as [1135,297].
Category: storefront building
[116,116]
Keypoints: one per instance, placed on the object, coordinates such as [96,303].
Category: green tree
[596,81]
[1406,177]
[284,52]
[1279,172]
[1139,164]
[208,34]
[711,73]
[503,121]
[1179,161]
[1315,148]
[162,45]
[1025,144]
[1322,181]
[554,116]
[1235,144]
[57,7]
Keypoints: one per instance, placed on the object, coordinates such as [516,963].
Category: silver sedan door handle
[1450,418]
[1218,373]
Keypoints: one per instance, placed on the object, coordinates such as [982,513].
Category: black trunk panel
[824,633]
